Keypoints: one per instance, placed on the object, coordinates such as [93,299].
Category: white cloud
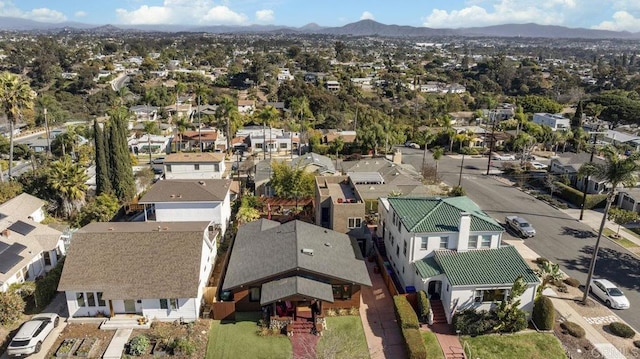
[367,16]
[7,8]
[621,20]
[182,12]
[80,13]
[264,15]
[551,12]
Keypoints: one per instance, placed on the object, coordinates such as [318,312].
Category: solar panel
[10,257]
[16,248]
[22,228]
[3,246]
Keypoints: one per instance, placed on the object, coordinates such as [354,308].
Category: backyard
[522,345]
[344,338]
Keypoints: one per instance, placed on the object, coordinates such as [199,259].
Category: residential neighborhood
[205,190]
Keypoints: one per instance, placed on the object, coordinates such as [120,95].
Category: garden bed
[163,334]
[86,336]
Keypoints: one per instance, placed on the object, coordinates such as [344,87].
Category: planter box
[159,350]
[85,348]
[67,348]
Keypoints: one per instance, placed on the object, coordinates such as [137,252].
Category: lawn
[433,347]
[239,340]
[344,338]
[525,345]
[621,241]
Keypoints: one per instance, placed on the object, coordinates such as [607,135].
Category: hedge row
[423,305]
[409,325]
[407,317]
[574,196]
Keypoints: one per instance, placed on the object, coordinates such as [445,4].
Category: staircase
[300,327]
[438,312]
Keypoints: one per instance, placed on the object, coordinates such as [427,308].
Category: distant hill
[359,28]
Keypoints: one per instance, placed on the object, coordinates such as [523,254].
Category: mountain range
[360,28]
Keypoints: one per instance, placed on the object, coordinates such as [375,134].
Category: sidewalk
[593,218]
[608,350]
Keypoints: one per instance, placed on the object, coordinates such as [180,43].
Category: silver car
[609,293]
[29,338]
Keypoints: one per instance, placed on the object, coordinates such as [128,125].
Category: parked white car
[28,340]
[609,293]
[538,165]
[505,157]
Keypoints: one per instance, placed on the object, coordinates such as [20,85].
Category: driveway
[59,306]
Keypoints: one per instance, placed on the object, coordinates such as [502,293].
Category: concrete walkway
[593,218]
[116,346]
[381,330]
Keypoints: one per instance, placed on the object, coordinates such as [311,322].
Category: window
[168,168]
[25,272]
[402,269]
[196,167]
[354,222]
[47,258]
[490,295]
[283,145]
[444,242]
[164,304]
[259,145]
[80,299]
[169,303]
[342,291]
[404,250]
[216,167]
[397,250]
[486,241]
[392,239]
[473,242]
[91,299]
[101,301]
[423,242]
[254,294]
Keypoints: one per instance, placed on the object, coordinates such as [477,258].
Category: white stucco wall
[188,171]
[188,211]
[465,295]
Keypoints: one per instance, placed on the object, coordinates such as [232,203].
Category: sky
[616,15]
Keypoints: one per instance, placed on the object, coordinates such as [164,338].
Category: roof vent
[159,229]
[202,183]
[307,251]
[173,196]
[327,244]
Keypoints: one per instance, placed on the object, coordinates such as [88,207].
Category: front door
[435,286]
[129,306]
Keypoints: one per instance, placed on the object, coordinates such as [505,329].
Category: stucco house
[28,249]
[194,165]
[451,249]
[188,201]
[154,270]
[271,263]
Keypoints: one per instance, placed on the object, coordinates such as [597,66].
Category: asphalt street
[560,238]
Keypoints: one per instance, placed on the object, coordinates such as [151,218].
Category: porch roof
[428,267]
[287,287]
[485,266]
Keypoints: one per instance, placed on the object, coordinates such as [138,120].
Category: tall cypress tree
[123,182]
[576,120]
[103,182]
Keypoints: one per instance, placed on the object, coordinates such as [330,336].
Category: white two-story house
[194,165]
[451,249]
[28,249]
[190,200]
[155,270]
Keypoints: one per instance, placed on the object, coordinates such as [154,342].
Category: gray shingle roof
[324,163]
[433,215]
[496,266]
[21,206]
[287,287]
[194,157]
[134,260]
[211,190]
[265,248]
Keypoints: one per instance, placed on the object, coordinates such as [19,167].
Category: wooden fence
[388,281]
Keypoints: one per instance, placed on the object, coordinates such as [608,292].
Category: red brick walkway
[303,345]
[448,340]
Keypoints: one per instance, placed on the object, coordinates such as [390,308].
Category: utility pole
[586,180]
[461,167]
[199,126]
[492,118]
[46,128]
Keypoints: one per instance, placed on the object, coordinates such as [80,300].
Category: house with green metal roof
[450,248]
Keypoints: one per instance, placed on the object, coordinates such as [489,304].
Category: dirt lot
[198,332]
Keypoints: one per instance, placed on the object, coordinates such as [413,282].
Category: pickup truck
[520,226]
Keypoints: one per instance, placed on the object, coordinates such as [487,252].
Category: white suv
[29,338]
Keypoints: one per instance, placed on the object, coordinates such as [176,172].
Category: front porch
[126,321]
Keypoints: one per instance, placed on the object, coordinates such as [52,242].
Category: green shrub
[636,343]
[543,313]
[472,322]
[622,330]
[414,343]
[11,307]
[541,261]
[407,317]
[47,287]
[423,305]
[183,346]
[572,282]
[574,329]
[139,345]
[574,196]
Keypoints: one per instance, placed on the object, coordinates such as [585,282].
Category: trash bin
[410,289]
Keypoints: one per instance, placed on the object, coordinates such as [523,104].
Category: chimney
[463,232]
[6,233]
[397,157]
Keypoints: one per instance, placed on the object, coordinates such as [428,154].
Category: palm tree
[437,153]
[68,179]
[614,171]
[227,109]
[268,115]
[15,96]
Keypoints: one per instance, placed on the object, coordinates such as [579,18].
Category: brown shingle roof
[133,260]
[210,190]
[194,157]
